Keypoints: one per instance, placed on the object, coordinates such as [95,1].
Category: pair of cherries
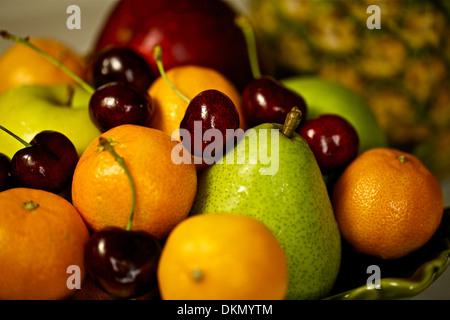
[121,78]
[332,139]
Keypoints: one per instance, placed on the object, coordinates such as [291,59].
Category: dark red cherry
[121,64]
[48,164]
[265,100]
[5,172]
[123,263]
[332,139]
[208,116]
[117,103]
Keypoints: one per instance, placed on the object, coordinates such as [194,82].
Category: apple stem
[293,119]
[26,144]
[157,55]
[247,29]
[108,145]
[8,36]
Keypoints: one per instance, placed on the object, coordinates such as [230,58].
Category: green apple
[324,96]
[28,110]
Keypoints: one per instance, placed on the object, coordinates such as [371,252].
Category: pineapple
[402,69]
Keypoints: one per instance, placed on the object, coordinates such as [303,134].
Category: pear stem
[157,55]
[8,36]
[26,144]
[108,145]
[293,119]
[247,29]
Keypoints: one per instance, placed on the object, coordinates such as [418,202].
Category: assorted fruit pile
[108,191]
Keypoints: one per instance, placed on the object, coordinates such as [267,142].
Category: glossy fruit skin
[28,110]
[122,262]
[215,110]
[387,203]
[117,103]
[332,139]
[5,172]
[271,194]
[19,65]
[48,164]
[121,64]
[325,96]
[265,100]
[42,235]
[197,32]
[202,252]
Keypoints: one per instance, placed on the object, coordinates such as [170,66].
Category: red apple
[200,32]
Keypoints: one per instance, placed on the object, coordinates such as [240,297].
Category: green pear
[324,96]
[28,110]
[279,183]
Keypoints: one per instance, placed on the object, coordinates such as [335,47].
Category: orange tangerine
[222,256]
[21,65]
[41,236]
[165,191]
[387,203]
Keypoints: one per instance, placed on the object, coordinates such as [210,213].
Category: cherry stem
[108,145]
[293,119]
[26,144]
[247,29]
[157,55]
[8,36]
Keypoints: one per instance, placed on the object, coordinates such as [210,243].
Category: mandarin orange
[41,236]
[21,65]
[165,191]
[222,256]
[387,203]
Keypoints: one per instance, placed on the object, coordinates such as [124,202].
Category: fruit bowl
[401,278]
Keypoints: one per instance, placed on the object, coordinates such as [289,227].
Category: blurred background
[402,69]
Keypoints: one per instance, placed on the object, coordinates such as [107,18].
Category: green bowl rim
[407,287]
